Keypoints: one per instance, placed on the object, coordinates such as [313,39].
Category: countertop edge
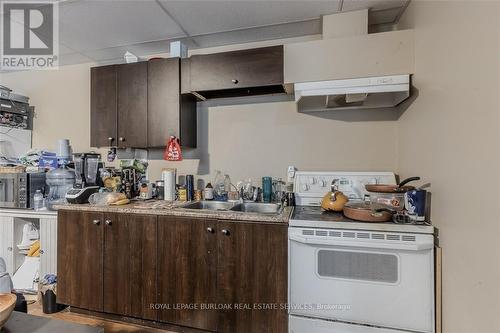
[282,218]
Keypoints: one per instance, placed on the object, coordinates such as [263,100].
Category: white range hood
[361,93]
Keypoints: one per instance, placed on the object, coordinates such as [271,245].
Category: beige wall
[450,136]
[245,140]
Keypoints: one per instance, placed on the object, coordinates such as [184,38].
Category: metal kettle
[334,200]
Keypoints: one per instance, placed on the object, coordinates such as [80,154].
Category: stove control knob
[304,187]
[322,183]
[312,180]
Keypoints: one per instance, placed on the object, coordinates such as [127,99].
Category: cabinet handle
[96,222]
[108,222]
[225,232]
[210,230]
[235,81]
[9,249]
[121,139]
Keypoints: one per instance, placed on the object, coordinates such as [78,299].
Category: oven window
[377,267]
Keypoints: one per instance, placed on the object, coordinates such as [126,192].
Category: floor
[108,325]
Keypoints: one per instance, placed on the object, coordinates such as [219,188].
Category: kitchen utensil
[361,211]
[390,188]
[334,200]
[7,305]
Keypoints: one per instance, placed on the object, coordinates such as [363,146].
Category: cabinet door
[130,265]
[252,271]
[103,106]
[79,258]
[237,69]
[132,105]
[187,256]
[163,100]
[7,242]
[48,246]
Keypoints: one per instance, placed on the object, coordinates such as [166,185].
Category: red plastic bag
[173,150]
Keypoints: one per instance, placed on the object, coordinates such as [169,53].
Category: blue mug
[415,201]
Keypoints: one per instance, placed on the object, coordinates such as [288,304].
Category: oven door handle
[390,245]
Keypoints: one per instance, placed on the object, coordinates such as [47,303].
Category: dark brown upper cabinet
[234,74]
[139,105]
[103,106]
[133,105]
[169,112]
[118,100]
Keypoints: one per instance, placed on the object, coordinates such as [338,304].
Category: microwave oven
[17,189]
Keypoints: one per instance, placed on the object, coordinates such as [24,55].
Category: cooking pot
[361,211]
[391,188]
[334,200]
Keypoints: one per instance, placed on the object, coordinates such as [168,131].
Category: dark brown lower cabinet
[130,265]
[187,266]
[252,274]
[80,239]
[218,276]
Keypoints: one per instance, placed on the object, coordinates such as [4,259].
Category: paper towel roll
[168,176]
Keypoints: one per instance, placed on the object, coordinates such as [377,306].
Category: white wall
[245,141]
[450,136]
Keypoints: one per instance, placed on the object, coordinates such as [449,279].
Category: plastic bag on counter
[108,198]
[173,150]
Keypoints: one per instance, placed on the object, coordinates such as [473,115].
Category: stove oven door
[371,278]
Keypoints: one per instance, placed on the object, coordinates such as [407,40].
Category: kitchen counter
[175,209]
[27,213]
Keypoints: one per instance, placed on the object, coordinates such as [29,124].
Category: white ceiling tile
[203,17]
[72,59]
[349,5]
[88,25]
[287,30]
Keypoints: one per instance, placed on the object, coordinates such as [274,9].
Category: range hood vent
[362,93]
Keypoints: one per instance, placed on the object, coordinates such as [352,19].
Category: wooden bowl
[7,305]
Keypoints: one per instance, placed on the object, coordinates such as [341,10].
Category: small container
[209,192]
[416,203]
[190,187]
[198,195]
[182,193]
[160,189]
[267,188]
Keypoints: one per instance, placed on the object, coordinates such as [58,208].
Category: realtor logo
[29,35]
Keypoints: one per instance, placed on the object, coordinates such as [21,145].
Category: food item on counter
[183,194]
[121,202]
[209,192]
[106,198]
[198,195]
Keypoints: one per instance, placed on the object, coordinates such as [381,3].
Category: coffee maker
[87,177]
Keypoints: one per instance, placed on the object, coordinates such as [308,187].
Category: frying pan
[361,211]
[391,188]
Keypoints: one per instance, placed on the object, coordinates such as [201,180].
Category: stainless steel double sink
[247,207]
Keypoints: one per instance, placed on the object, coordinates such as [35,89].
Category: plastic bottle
[209,192]
[38,200]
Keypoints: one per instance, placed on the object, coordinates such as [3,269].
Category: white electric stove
[354,277]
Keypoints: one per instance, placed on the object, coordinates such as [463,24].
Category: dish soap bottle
[209,192]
